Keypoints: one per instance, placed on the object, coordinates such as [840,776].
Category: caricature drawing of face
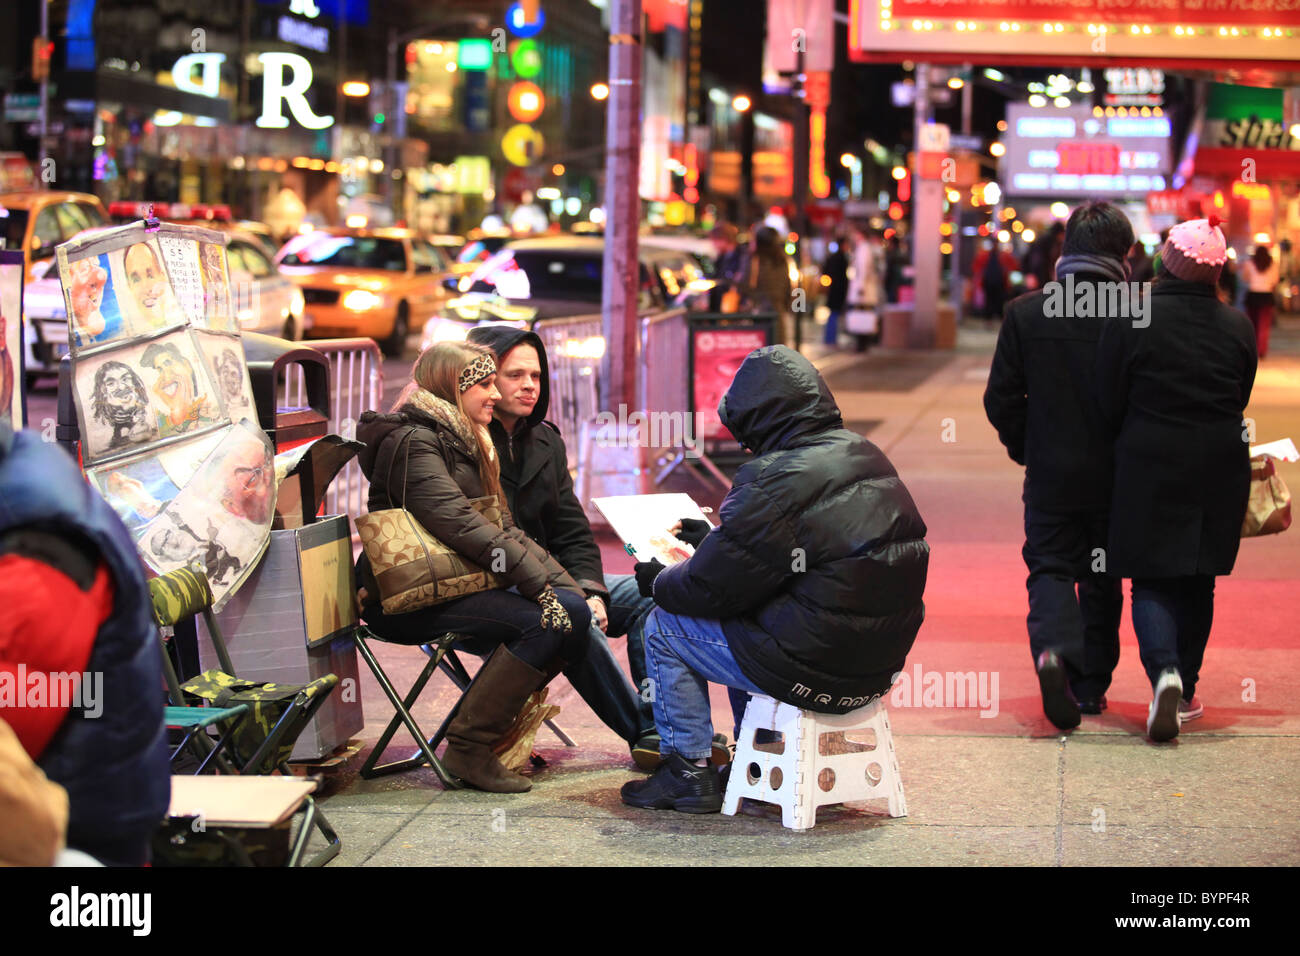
[249,476]
[86,291]
[172,544]
[147,283]
[175,386]
[119,400]
[231,377]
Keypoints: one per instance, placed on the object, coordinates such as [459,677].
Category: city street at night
[651,433]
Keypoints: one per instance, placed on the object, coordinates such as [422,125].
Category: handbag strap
[405,466]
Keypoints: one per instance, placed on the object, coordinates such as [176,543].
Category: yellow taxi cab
[376,283]
[37,220]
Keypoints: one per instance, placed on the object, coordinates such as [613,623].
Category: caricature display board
[222,515]
[13,380]
[168,427]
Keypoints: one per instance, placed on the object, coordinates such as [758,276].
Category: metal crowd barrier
[574,347]
[664,381]
[356,385]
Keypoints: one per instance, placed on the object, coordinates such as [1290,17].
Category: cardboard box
[292,622]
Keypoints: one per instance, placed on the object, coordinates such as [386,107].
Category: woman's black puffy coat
[818,567]
[436,485]
[1174,393]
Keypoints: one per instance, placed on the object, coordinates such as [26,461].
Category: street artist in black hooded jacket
[809,591]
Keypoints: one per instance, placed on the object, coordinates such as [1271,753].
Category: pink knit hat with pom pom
[1195,250]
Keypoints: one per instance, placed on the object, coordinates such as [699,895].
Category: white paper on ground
[642,521]
[1283,450]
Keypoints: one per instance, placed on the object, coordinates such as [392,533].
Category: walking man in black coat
[539,491]
[809,591]
[1041,399]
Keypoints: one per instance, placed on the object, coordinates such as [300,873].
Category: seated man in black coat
[809,591]
[1041,399]
[539,491]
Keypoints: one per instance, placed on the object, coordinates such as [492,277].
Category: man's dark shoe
[677,785]
[1092,706]
[1059,706]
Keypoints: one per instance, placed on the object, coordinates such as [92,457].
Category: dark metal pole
[390,102]
[801,164]
[621,276]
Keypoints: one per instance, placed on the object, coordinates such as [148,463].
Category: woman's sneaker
[1163,716]
[1190,709]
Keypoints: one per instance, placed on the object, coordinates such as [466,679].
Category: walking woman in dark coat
[431,456]
[1174,385]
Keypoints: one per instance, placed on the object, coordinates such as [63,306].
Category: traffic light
[42,50]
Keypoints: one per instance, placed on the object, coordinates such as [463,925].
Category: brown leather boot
[486,712]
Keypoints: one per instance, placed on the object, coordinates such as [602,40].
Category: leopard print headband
[476,371]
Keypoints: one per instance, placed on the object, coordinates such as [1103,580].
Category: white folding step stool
[802,777]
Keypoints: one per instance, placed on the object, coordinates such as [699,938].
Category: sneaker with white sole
[1163,717]
[1190,709]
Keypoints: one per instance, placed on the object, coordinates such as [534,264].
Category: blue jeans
[832,327]
[682,655]
[1172,618]
[597,677]
[627,613]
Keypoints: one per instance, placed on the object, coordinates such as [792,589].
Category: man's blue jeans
[683,654]
[600,681]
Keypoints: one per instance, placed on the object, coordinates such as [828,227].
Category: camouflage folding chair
[265,720]
[176,597]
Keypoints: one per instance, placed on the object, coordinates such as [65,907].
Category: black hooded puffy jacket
[818,567]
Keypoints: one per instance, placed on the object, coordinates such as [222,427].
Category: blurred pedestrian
[836,271]
[768,285]
[895,263]
[992,270]
[862,316]
[1040,260]
[1173,390]
[731,265]
[1040,398]
[1259,274]
[1140,266]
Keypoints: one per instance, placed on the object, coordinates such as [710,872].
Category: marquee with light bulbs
[1172,33]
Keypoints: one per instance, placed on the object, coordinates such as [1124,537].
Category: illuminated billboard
[1073,153]
[1151,33]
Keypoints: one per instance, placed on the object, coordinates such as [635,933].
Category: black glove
[694,531]
[646,572]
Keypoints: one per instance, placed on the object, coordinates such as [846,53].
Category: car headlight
[359,300]
[297,303]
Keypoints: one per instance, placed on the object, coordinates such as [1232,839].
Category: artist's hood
[777,399]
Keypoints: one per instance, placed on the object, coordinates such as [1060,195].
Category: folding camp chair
[185,593]
[440,649]
[176,597]
[441,656]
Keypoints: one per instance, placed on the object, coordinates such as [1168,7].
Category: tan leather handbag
[1268,510]
[412,568]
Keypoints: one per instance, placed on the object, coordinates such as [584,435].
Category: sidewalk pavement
[987,783]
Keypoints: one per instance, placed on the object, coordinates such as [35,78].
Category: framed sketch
[141,393]
[200,275]
[13,380]
[115,287]
[138,488]
[222,517]
[224,355]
